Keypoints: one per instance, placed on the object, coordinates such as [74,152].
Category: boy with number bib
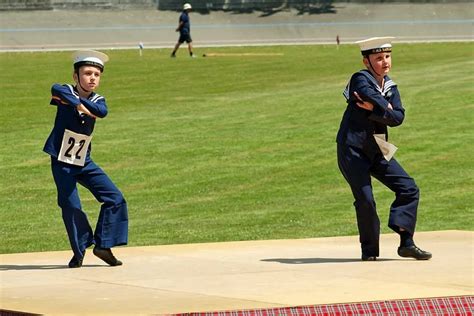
[69,145]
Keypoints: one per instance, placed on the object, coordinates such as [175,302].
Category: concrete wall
[6,5]
[25,5]
[103,4]
[209,5]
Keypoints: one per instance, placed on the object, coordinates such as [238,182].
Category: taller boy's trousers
[357,168]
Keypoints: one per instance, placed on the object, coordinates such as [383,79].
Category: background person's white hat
[187,6]
[375,45]
[90,58]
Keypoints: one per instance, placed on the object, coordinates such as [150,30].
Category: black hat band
[376,50]
[88,63]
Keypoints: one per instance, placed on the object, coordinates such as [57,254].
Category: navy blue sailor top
[359,125]
[66,99]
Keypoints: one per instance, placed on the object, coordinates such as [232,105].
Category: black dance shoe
[368,258]
[107,255]
[75,263]
[414,252]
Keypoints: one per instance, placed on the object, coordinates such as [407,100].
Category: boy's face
[380,63]
[88,78]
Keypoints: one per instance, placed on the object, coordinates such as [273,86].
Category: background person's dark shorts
[185,38]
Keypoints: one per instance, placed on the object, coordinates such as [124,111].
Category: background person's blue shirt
[186,28]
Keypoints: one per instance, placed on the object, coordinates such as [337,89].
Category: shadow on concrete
[318,260]
[265,8]
[8,312]
[6,267]
[322,9]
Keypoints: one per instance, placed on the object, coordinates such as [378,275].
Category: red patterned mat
[453,305]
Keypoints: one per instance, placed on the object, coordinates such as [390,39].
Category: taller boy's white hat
[375,45]
[89,57]
[187,6]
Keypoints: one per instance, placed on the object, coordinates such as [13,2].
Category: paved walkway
[47,30]
[235,275]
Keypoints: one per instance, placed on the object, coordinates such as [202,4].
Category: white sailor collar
[388,84]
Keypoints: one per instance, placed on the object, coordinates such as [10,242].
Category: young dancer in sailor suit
[373,103]
[69,145]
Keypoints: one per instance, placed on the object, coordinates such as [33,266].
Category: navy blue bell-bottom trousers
[358,168]
[112,225]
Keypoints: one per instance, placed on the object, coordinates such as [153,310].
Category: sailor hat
[375,45]
[89,58]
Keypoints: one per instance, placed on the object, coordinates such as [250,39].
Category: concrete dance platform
[235,276]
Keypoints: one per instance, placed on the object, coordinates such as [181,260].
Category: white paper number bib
[74,148]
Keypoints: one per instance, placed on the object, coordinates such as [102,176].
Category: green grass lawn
[236,147]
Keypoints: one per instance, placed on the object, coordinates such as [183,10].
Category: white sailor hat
[375,45]
[90,58]
[187,6]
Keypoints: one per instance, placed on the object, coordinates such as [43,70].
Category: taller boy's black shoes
[368,258]
[414,252]
[107,255]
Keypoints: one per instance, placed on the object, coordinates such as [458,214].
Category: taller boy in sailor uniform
[373,103]
[69,145]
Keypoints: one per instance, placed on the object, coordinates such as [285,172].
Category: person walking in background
[184,29]
[69,145]
[373,103]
